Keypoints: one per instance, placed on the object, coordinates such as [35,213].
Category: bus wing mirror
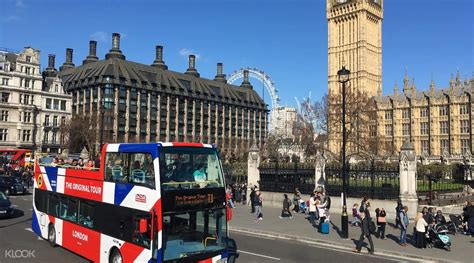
[143,228]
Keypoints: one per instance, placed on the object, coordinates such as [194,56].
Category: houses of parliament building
[437,120]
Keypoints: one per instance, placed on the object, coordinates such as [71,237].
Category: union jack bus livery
[155,202]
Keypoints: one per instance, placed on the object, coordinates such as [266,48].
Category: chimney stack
[192,66]
[220,76]
[51,58]
[68,64]
[115,52]
[69,55]
[246,82]
[159,63]
[92,57]
[50,71]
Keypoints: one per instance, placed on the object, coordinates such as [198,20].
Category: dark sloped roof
[132,74]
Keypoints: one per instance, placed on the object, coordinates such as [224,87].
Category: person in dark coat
[470,219]
[398,210]
[285,212]
[252,199]
[365,233]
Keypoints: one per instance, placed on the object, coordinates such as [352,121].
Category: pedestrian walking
[381,222]
[243,190]
[258,202]
[398,210]
[285,212]
[296,200]
[312,209]
[367,210]
[421,226]
[363,203]
[365,233]
[252,199]
[404,222]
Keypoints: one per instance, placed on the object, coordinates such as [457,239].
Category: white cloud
[99,36]
[20,3]
[10,18]
[186,52]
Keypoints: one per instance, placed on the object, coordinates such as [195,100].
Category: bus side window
[115,169]
[86,214]
[40,200]
[68,209]
[53,205]
[142,169]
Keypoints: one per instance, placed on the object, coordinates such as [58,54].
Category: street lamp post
[105,103]
[343,78]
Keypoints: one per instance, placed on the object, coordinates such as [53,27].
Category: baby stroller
[303,206]
[437,235]
[455,225]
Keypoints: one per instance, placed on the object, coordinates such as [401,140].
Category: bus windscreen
[190,168]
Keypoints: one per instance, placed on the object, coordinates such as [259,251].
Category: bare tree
[79,132]
[361,122]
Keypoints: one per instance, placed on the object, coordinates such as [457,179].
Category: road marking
[258,255]
[337,247]
[29,229]
[11,196]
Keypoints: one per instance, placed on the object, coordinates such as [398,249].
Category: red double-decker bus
[156,202]
[14,157]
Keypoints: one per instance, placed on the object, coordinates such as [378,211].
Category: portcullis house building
[147,103]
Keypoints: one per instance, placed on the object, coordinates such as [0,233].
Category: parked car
[12,185]
[6,207]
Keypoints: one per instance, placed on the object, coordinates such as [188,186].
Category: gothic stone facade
[437,121]
[354,40]
[149,103]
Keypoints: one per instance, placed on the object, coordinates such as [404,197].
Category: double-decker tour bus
[155,202]
[15,157]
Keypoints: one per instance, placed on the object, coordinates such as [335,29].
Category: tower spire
[458,79]
[451,82]
[406,82]
[432,85]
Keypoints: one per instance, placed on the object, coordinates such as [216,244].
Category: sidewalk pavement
[299,229]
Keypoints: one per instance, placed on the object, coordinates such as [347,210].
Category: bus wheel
[51,235]
[115,256]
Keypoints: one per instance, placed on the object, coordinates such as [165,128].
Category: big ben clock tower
[354,40]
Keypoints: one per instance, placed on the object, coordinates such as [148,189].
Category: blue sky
[285,38]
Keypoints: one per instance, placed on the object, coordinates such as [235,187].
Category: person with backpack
[381,222]
[404,222]
[366,232]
